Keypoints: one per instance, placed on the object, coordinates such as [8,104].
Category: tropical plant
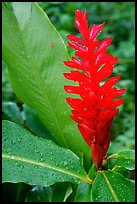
[46,154]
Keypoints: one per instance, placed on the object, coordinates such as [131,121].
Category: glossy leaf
[124,159]
[61,191]
[33,122]
[34,53]
[83,193]
[124,171]
[83,190]
[35,160]
[112,187]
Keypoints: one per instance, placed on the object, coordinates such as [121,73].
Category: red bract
[96,107]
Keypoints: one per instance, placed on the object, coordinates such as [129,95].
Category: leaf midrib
[110,188]
[38,79]
[30,161]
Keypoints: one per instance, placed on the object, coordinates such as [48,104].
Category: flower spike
[97,105]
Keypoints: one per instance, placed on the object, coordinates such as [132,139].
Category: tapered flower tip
[69,63]
[94,30]
[79,13]
[72,89]
[66,63]
[66,75]
[81,23]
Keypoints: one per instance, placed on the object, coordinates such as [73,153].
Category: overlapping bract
[96,107]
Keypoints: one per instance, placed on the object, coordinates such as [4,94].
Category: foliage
[48,121]
[37,156]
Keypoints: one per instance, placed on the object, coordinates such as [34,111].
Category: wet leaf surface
[112,187]
[35,160]
[124,159]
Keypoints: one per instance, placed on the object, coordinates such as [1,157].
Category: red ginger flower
[96,107]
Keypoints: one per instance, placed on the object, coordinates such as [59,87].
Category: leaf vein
[30,161]
[43,94]
[110,188]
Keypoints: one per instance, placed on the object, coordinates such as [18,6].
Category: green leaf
[12,112]
[34,123]
[124,171]
[83,193]
[111,186]
[124,159]
[68,193]
[24,10]
[35,160]
[61,191]
[34,52]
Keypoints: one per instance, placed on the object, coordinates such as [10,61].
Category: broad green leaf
[34,52]
[124,159]
[25,10]
[34,123]
[112,187]
[35,160]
